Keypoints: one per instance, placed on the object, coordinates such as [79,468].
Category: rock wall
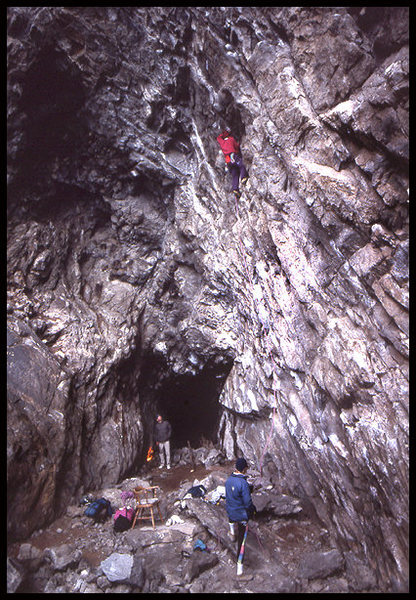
[277,326]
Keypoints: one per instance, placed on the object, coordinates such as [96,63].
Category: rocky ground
[288,550]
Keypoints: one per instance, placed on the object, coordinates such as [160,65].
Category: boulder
[15,576]
[63,556]
[360,576]
[137,574]
[118,567]
[319,565]
[213,518]
[278,505]
[198,563]
[30,556]
[208,456]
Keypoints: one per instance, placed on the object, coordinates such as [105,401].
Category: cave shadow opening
[52,96]
[190,402]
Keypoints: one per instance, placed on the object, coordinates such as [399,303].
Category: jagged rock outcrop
[135,284]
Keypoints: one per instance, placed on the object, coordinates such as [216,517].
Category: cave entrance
[190,404]
[188,401]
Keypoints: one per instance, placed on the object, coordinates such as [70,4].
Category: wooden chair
[146,501]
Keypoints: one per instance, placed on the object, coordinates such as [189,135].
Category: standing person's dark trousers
[241,529]
[237,170]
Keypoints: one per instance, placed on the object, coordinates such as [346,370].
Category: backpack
[197,491]
[86,499]
[123,519]
[99,510]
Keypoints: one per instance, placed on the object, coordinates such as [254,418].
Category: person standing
[162,433]
[239,507]
[232,153]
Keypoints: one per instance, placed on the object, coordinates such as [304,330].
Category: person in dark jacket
[231,150]
[239,506]
[162,433]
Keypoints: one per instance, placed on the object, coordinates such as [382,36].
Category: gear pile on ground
[288,550]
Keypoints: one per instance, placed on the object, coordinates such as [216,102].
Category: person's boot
[244,180]
[241,576]
[232,532]
[237,194]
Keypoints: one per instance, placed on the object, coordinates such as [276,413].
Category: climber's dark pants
[240,535]
[237,170]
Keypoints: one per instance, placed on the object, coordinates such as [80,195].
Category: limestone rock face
[276,326]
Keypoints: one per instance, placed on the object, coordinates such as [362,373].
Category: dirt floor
[171,480]
[168,480]
[274,545]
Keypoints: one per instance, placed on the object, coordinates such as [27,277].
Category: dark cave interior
[189,402]
[52,96]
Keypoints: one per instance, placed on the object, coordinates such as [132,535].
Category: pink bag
[123,518]
[124,512]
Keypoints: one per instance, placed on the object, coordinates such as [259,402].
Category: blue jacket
[238,498]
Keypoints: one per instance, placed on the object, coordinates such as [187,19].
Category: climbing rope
[236,207]
[242,547]
[257,536]
[269,350]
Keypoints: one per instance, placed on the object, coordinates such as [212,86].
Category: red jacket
[227,146]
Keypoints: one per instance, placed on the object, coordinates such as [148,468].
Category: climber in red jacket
[234,160]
